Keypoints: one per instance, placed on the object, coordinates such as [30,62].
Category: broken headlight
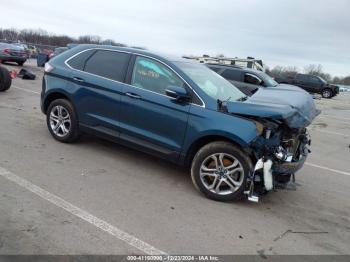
[281,153]
[259,127]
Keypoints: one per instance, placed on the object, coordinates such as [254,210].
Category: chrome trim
[120,51]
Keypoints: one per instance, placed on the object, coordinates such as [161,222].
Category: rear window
[231,74]
[78,62]
[108,64]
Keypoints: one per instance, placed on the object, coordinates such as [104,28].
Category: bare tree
[281,71]
[43,38]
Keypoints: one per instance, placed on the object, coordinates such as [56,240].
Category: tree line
[43,38]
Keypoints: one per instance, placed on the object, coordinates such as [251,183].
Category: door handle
[132,95]
[78,79]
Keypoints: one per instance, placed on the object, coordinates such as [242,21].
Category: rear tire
[62,121]
[5,79]
[223,179]
[327,93]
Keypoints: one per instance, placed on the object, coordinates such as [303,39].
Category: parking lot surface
[96,197]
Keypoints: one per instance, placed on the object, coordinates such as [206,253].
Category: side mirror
[178,93]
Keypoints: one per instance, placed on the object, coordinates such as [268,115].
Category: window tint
[252,79]
[153,76]
[78,62]
[109,64]
[230,74]
[303,78]
[314,80]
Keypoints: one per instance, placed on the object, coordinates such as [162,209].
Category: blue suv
[183,112]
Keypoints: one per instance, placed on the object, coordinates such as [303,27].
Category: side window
[252,79]
[302,78]
[78,62]
[108,64]
[314,80]
[153,76]
[230,74]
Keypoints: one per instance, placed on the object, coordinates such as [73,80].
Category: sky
[280,32]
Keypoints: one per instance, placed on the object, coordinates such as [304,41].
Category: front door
[149,118]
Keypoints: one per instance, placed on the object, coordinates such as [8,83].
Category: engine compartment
[279,152]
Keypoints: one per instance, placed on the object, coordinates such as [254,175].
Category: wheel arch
[202,141]
[52,96]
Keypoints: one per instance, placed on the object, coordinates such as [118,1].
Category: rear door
[150,119]
[99,84]
[315,84]
[303,82]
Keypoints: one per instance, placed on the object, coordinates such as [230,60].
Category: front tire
[62,121]
[327,93]
[5,79]
[20,63]
[220,170]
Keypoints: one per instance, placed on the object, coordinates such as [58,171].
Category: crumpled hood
[283,102]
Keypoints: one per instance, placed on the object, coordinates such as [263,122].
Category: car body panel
[290,104]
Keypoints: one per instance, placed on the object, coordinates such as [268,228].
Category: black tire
[73,128]
[216,148]
[327,93]
[20,63]
[5,79]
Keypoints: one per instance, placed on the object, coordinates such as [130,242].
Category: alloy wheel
[326,93]
[221,173]
[60,121]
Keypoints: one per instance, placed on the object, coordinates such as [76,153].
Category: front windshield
[210,82]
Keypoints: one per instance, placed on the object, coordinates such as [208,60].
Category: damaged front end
[280,152]
[281,116]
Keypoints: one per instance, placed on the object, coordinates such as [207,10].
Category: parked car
[245,79]
[5,79]
[180,111]
[344,88]
[12,53]
[312,84]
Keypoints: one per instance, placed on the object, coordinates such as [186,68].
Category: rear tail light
[48,68]
[6,51]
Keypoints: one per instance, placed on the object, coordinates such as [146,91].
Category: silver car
[12,53]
